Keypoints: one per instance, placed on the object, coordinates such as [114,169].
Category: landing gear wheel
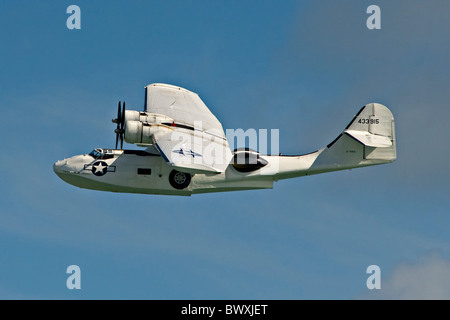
[179,180]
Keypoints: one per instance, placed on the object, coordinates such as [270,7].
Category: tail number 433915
[369,121]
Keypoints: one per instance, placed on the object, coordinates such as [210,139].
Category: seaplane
[184,150]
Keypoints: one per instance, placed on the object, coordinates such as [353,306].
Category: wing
[193,151]
[196,142]
[183,106]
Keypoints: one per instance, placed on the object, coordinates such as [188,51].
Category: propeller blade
[118,120]
[120,132]
[119,115]
[122,122]
[145,102]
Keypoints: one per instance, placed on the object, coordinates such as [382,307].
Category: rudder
[373,126]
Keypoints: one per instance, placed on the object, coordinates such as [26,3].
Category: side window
[144,171]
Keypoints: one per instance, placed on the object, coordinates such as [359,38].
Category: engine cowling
[146,117]
[141,126]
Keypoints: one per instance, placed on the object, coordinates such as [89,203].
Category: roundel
[99,168]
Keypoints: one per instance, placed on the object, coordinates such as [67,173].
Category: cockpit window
[95,154]
[101,154]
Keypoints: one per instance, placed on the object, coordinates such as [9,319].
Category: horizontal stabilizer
[370,139]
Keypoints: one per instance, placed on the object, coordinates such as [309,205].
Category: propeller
[120,120]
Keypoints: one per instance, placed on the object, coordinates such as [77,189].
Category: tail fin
[373,126]
[369,139]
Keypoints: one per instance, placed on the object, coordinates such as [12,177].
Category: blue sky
[302,67]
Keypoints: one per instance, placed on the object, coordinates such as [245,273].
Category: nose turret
[70,169]
[60,165]
[71,165]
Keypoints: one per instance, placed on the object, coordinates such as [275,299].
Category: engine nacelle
[141,126]
[146,117]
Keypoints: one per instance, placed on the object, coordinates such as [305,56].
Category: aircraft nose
[58,166]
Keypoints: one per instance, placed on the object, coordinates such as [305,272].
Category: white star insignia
[99,168]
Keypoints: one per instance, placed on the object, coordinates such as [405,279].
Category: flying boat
[184,150]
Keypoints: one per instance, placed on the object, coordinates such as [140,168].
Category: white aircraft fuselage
[140,172]
[133,171]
